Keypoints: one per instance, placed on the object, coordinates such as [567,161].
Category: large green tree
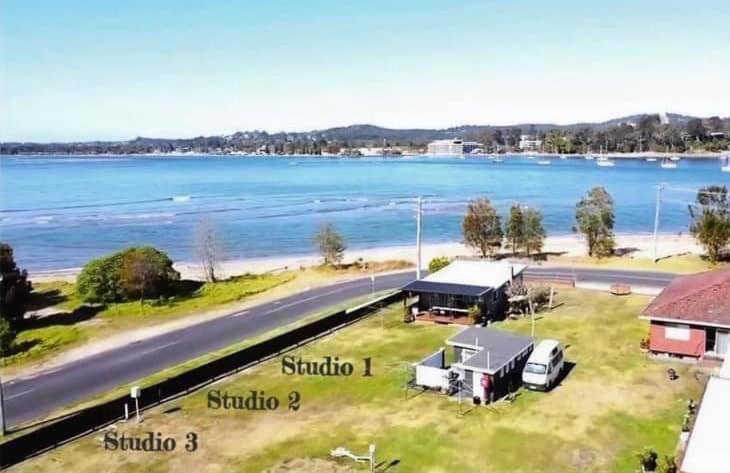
[711,222]
[481,227]
[515,227]
[534,233]
[14,286]
[594,215]
[133,273]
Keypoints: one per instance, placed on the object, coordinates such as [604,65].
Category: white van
[544,366]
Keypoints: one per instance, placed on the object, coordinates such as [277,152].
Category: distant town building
[529,143]
[452,147]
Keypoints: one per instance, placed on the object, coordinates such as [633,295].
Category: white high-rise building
[451,147]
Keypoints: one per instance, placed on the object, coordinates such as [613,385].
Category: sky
[87,70]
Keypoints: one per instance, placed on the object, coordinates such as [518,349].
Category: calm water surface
[60,211]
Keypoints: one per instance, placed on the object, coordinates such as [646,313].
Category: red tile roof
[703,297]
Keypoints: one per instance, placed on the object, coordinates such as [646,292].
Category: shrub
[7,338]
[132,273]
[648,459]
[437,263]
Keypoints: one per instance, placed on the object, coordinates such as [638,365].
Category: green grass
[195,362]
[614,403]
[685,264]
[78,323]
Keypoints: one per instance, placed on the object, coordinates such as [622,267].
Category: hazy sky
[78,70]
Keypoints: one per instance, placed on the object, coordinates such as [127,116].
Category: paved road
[33,397]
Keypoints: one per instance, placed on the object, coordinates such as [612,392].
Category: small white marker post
[135,393]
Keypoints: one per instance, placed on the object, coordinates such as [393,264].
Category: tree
[595,217]
[331,245]
[14,286]
[481,227]
[133,273]
[208,250]
[534,232]
[711,226]
[515,228]
[437,263]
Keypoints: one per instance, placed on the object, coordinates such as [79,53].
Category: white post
[418,237]
[136,403]
[656,219]
[126,411]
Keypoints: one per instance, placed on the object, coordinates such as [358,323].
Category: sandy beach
[634,245]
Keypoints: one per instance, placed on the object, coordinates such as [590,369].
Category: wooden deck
[443,319]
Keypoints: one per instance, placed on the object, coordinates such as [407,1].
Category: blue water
[60,211]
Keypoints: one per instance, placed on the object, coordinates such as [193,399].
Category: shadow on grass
[44,299]
[625,251]
[83,313]
[568,368]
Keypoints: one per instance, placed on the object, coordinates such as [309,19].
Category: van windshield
[536,368]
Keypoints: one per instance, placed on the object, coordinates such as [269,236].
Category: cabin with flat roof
[447,295]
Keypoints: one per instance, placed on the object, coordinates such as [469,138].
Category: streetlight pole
[419,211]
[659,189]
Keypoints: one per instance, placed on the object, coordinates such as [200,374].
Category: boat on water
[668,164]
[562,156]
[604,161]
[650,160]
[588,157]
[674,158]
[544,162]
[725,164]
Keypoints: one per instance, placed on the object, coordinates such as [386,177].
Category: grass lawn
[684,264]
[78,323]
[613,403]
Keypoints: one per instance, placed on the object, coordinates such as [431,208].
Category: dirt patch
[309,465]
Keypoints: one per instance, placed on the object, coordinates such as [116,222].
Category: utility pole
[419,211]
[659,189]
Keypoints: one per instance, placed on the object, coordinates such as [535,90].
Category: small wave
[181,198]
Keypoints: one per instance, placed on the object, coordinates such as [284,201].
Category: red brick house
[691,316]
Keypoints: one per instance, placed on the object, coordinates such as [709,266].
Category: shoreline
[632,155]
[640,246]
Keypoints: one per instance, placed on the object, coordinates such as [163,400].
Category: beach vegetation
[711,220]
[594,215]
[132,273]
[15,287]
[330,244]
[514,230]
[208,249]
[437,263]
[534,233]
[524,230]
[482,228]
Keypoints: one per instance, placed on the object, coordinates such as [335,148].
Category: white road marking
[238,314]
[18,394]
[161,347]
[291,304]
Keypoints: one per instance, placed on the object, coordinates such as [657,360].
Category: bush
[437,263]
[133,273]
[7,338]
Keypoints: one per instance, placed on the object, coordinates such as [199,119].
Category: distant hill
[359,135]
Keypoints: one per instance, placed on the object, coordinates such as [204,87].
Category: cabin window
[676,332]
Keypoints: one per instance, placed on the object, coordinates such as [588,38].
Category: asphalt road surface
[40,394]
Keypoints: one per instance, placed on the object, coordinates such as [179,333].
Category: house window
[676,332]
